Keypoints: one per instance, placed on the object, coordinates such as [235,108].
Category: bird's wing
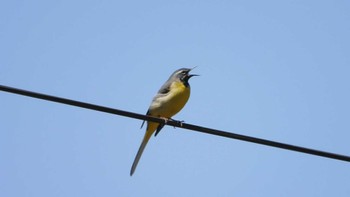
[163,91]
[143,122]
[165,88]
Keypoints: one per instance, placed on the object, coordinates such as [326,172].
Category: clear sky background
[277,70]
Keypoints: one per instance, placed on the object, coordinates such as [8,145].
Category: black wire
[176,124]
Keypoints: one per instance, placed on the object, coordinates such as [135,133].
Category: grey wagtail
[169,100]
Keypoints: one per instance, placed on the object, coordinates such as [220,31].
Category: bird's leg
[165,119]
[178,122]
[161,125]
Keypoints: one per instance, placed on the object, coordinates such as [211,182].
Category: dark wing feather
[165,88]
[143,122]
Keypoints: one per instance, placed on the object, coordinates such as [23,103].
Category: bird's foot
[161,125]
[165,119]
[178,122]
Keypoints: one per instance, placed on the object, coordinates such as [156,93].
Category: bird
[169,100]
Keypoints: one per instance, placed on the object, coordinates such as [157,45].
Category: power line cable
[176,124]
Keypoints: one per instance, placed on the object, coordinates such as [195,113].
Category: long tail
[147,136]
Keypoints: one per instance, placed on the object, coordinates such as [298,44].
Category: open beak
[189,76]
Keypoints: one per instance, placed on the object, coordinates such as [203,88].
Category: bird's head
[183,75]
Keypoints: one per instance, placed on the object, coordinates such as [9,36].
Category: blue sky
[277,70]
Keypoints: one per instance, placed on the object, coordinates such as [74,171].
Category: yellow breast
[173,102]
